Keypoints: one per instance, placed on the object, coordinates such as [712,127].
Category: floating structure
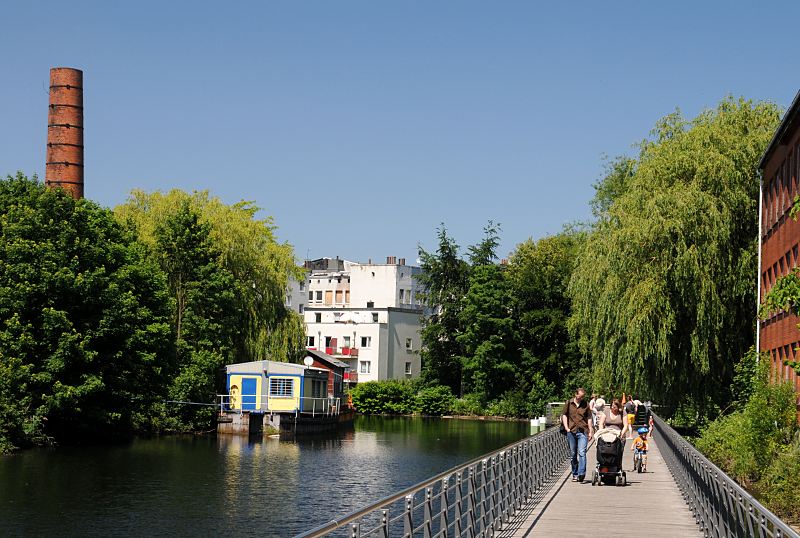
[290,398]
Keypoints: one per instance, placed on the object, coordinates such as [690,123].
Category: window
[346,341]
[337,317]
[328,296]
[365,367]
[300,308]
[409,344]
[318,317]
[402,295]
[319,295]
[310,295]
[281,387]
[302,285]
[309,341]
[374,317]
[318,387]
[366,341]
[408,368]
[338,296]
[347,296]
[288,300]
[370,304]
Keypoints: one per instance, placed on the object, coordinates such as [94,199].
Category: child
[640,447]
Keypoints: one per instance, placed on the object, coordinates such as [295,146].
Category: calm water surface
[229,485]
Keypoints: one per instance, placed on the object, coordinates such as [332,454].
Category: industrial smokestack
[64,167]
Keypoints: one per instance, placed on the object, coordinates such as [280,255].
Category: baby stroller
[609,459]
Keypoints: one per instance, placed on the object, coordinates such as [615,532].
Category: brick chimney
[64,165]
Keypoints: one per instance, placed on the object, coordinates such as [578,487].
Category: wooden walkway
[650,505]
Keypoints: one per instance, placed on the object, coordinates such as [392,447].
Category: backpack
[630,408]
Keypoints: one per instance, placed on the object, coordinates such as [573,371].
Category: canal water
[229,485]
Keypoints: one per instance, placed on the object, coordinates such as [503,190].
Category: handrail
[327,405]
[720,506]
[477,496]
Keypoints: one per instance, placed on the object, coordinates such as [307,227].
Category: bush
[754,446]
[435,400]
[390,397]
[512,403]
[779,489]
[470,404]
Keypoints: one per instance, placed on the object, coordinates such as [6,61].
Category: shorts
[630,419]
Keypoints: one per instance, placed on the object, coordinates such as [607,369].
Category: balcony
[350,351]
[350,377]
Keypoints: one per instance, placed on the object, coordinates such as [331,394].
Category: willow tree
[664,288]
[261,266]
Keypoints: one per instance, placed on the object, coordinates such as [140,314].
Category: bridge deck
[650,505]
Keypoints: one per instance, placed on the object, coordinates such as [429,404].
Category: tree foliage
[663,292]
[247,248]
[444,280]
[539,273]
[84,323]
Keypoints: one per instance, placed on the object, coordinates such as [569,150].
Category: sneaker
[580,478]
[574,478]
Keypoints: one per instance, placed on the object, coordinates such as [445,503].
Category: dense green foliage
[246,248]
[391,397]
[663,292]
[498,334]
[84,323]
[444,279]
[757,443]
[108,320]
[204,314]
[435,400]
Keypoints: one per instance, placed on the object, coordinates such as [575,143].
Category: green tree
[538,274]
[205,313]
[663,292]
[444,280]
[248,249]
[84,320]
[490,353]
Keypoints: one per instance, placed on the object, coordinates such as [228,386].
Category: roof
[327,358]
[789,119]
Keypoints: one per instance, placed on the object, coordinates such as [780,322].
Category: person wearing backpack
[630,410]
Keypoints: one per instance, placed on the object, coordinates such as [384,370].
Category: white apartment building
[367,315]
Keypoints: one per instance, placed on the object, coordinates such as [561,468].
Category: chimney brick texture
[64,165]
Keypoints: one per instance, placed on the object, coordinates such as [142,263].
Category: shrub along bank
[758,444]
[393,397]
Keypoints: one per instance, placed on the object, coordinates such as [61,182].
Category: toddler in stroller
[609,459]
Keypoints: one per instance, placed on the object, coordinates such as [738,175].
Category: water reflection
[183,486]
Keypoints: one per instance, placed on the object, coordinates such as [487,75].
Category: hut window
[281,387]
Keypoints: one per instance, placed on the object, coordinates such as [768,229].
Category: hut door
[248,393]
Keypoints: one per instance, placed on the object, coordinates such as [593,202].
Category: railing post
[355,530]
[385,523]
[458,508]
[408,523]
[444,506]
[427,514]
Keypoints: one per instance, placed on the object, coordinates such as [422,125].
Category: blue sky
[361,126]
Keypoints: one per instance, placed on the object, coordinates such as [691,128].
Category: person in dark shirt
[576,417]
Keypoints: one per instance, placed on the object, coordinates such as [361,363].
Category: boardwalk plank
[650,505]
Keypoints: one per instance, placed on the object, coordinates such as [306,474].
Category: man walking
[577,420]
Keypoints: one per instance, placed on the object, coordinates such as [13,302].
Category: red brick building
[780,240]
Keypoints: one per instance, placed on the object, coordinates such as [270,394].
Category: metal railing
[473,499]
[327,405]
[720,506]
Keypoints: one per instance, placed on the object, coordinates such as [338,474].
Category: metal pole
[758,269]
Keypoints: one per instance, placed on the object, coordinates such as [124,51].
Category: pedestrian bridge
[525,489]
